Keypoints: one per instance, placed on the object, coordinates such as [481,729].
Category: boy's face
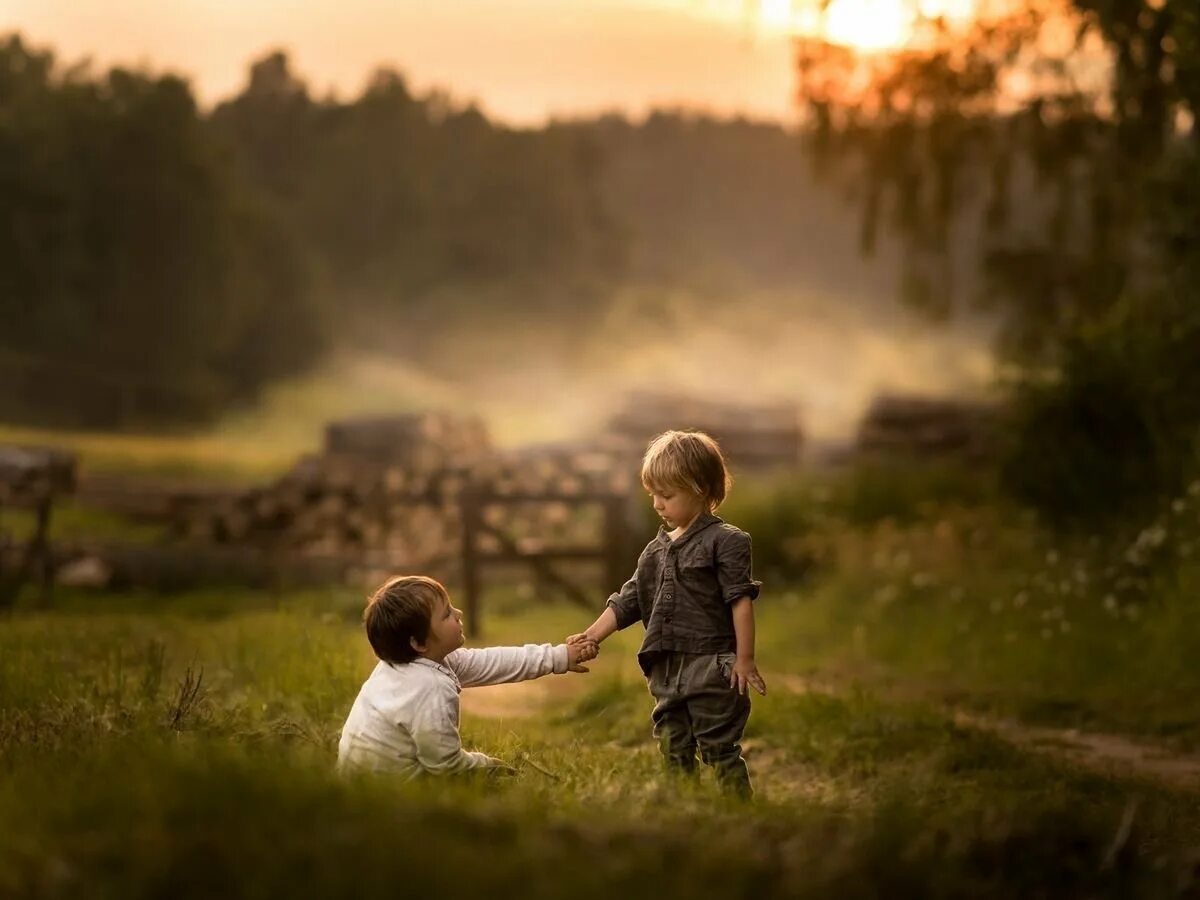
[676,506]
[445,633]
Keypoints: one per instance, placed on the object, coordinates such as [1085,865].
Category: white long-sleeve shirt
[405,718]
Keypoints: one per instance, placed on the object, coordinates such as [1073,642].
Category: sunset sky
[522,60]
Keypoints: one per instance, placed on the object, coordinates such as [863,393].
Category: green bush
[1117,429]
[905,490]
[777,512]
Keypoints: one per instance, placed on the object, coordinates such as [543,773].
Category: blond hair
[690,460]
[399,612]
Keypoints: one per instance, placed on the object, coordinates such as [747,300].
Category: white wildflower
[887,594]
[922,580]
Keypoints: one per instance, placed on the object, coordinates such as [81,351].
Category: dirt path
[520,700]
[1100,752]
[1096,750]
[1106,753]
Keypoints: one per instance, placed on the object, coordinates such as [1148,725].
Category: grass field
[188,749]
[183,743]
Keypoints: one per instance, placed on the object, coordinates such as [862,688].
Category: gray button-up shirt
[683,589]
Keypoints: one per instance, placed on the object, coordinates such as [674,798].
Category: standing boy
[694,593]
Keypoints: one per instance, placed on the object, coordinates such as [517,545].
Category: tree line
[164,263]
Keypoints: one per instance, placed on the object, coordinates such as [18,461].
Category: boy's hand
[579,652]
[745,675]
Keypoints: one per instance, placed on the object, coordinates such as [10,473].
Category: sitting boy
[405,719]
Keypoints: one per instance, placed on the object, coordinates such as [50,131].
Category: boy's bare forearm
[745,674]
[743,627]
[605,625]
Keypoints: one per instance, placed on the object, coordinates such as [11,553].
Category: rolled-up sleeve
[624,604]
[734,568]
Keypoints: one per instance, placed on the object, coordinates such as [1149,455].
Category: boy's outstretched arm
[745,670]
[605,625]
[498,665]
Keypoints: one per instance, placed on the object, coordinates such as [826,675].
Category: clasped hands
[581,649]
[744,675]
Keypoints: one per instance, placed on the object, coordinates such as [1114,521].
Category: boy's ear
[416,645]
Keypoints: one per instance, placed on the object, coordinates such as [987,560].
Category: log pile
[541,489]
[924,426]
[752,436]
[334,506]
[419,442]
[383,496]
[403,508]
[570,470]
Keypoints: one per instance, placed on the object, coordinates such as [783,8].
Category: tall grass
[157,752]
[980,601]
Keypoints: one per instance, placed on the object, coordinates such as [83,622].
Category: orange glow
[866,25]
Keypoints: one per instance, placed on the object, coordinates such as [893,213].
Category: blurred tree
[1063,134]
[396,195]
[165,264]
[134,281]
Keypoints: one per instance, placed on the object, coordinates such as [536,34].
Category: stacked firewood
[751,435]
[540,489]
[924,426]
[419,442]
[407,509]
[332,506]
[558,469]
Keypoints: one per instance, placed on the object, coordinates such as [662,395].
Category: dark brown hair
[400,611]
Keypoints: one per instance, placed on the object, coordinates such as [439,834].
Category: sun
[775,14]
[867,25]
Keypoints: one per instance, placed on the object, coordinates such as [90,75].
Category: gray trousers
[696,708]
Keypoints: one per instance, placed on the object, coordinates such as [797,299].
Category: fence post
[616,565]
[471,509]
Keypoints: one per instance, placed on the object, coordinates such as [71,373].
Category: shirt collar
[439,667]
[701,522]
